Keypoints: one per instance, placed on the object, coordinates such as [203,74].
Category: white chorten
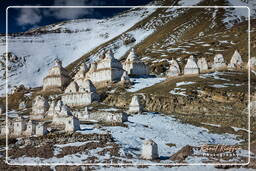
[174,69]
[135,106]
[41,129]
[106,70]
[202,64]
[30,129]
[219,62]
[39,107]
[191,67]
[236,60]
[82,71]
[72,124]
[125,78]
[19,126]
[80,93]
[149,150]
[134,66]
[57,78]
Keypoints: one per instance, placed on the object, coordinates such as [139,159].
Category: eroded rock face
[135,105]
[134,66]
[191,67]
[149,150]
[236,61]
[174,69]
[219,62]
[202,64]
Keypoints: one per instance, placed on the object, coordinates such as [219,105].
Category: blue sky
[22,19]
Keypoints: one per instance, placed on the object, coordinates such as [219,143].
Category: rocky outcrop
[182,154]
[208,101]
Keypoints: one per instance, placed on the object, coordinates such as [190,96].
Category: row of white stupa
[81,90]
[194,66]
[107,69]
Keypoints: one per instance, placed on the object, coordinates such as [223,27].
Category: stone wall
[104,116]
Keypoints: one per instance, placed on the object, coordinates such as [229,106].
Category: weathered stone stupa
[39,107]
[219,62]
[252,63]
[202,64]
[191,67]
[174,69]
[134,66]
[107,70]
[57,78]
[236,60]
[125,79]
[41,129]
[30,129]
[149,150]
[19,126]
[80,93]
[72,124]
[135,106]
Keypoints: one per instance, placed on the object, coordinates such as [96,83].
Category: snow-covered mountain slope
[75,39]
[155,33]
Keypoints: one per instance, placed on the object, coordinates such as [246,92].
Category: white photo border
[131,164]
